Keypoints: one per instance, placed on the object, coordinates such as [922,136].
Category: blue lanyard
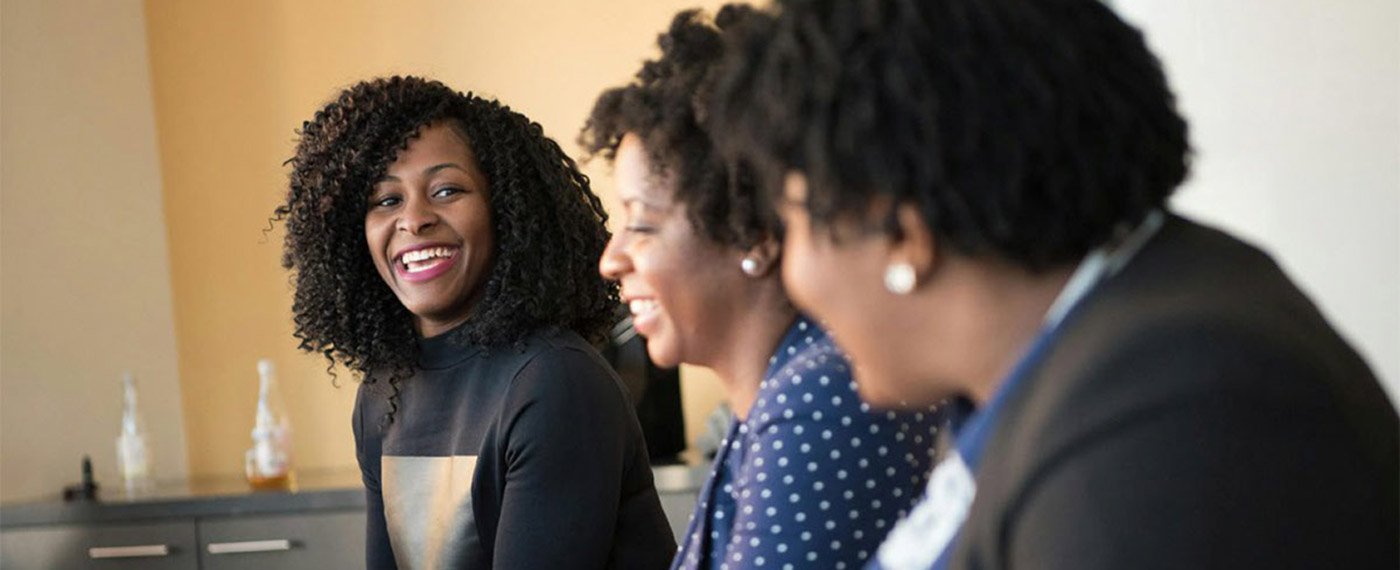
[976,431]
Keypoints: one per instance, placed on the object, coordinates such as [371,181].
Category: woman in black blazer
[975,200]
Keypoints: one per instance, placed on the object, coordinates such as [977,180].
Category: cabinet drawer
[309,541]
[155,546]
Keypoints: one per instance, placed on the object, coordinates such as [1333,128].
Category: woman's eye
[385,202]
[447,191]
[639,229]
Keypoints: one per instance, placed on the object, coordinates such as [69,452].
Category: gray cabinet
[226,527]
[149,546]
[276,542]
[310,541]
[194,524]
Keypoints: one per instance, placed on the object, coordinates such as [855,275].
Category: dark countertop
[217,497]
[312,491]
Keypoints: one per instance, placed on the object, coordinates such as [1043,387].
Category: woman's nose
[417,215]
[615,263]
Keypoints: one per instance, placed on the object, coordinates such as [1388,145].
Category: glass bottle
[133,444]
[268,464]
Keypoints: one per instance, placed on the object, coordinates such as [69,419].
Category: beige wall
[85,285]
[234,79]
[93,253]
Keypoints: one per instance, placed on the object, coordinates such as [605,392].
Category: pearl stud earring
[750,266]
[900,278]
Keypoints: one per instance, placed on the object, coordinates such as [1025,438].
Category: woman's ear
[760,259]
[913,255]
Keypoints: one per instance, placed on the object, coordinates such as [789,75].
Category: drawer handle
[143,551]
[249,546]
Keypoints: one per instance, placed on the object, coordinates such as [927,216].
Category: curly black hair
[664,105]
[548,225]
[1027,130]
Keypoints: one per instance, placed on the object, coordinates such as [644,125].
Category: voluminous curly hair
[549,228]
[1028,130]
[664,106]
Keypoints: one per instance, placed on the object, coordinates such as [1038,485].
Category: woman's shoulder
[371,392]
[372,406]
[806,364]
[539,347]
[553,347]
[556,362]
[550,338]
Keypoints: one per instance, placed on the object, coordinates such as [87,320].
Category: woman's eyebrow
[436,167]
[429,170]
[649,204]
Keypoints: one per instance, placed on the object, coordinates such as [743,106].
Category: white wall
[84,281]
[1294,107]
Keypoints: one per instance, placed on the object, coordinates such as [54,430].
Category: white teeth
[417,266]
[639,306]
[426,254]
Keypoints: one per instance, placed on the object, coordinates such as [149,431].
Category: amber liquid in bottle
[281,482]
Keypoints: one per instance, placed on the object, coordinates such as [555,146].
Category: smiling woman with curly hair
[443,248]
[698,261]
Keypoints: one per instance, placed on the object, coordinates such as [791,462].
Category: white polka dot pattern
[812,477]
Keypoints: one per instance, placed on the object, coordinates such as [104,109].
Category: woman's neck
[752,338]
[1011,305]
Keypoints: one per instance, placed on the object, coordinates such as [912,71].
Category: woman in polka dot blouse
[808,475]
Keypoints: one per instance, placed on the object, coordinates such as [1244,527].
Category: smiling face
[679,285]
[428,227]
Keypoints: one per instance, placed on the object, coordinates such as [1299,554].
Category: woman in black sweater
[443,248]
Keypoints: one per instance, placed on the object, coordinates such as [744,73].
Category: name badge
[917,541]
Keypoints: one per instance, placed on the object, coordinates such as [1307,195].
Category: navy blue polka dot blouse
[812,477]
